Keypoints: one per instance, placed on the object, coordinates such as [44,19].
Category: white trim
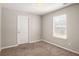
[18,44]
[35,41]
[62,47]
[9,46]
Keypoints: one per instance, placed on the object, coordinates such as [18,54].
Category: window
[60,26]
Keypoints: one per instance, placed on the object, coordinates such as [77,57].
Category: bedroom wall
[0,27]
[9,27]
[72,41]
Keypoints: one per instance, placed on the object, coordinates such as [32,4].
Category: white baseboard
[9,46]
[17,45]
[35,41]
[62,47]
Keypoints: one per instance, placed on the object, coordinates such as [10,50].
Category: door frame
[17,29]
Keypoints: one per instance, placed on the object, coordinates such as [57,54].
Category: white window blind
[60,26]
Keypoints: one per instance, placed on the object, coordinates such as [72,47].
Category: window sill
[60,37]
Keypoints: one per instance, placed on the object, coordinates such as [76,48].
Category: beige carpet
[36,49]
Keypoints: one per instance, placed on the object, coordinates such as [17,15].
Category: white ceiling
[36,8]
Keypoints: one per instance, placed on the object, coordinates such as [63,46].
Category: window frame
[54,31]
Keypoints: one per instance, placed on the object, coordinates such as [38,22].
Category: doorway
[22,29]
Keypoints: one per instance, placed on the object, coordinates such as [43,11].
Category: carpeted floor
[36,49]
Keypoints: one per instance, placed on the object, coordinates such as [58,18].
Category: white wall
[34,28]
[9,27]
[0,27]
[72,41]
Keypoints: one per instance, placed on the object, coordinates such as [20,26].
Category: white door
[22,29]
